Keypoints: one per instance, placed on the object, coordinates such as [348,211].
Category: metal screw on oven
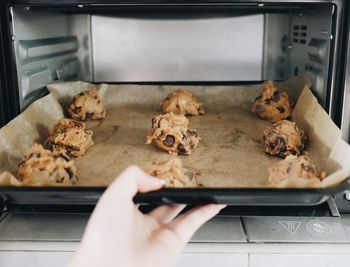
[261,5]
[80,6]
[13,37]
[330,37]
[27,8]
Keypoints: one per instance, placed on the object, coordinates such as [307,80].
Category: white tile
[34,259]
[212,260]
[298,260]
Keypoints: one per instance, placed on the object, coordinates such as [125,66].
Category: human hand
[118,234]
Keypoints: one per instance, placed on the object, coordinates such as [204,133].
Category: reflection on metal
[162,48]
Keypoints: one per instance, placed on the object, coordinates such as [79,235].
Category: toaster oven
[174,42]
[180,42]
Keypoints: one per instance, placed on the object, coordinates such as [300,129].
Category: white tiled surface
[298,260]
[34,259]
[212,259]
[60,259]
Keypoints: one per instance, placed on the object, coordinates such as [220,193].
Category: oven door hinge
[333,207]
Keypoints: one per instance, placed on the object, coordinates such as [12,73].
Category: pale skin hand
[118,234]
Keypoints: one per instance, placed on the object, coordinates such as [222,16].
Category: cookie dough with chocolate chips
[295,171]
[44,167]
[284,138]
[71,137]
[170,133]
[87,105]
[271,104]
[182,102]
[173,173]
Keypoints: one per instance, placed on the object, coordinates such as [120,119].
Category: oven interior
[221,44]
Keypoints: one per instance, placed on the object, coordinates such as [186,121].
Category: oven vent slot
[34,82]
[299,34]
[31,50]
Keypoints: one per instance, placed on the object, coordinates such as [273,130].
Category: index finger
[131,181]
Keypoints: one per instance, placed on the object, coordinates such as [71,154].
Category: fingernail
[158,180]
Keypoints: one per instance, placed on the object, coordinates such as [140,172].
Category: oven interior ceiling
[170,46]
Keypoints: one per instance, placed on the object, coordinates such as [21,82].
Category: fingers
[133,180]
[185,225]
[166,213]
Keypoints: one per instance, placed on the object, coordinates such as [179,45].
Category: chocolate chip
[77,110]
[98,102]
[70,172]
[95,96]
[280,140]
[260,108]
[190,175]
[82,93]
[89,115]
[257,98]
[276,96]
[77,124]
[73,148]
[192,132]
[169,140]
[281,109]
[301,148]
[182,149]
[65,157]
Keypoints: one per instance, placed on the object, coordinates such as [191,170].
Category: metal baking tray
[192,196]
[227,186]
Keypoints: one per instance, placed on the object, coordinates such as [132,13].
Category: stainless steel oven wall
[178,47]
[310,42]
[299,41]
[49,46]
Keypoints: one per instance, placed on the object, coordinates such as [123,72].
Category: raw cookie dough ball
[70,136]
[272,105]
[6,179]
[284,138]
[170,133]
[295,171]
[87,105]
[44,167]
[182,102]
[173,173]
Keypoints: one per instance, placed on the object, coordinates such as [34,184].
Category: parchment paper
[230,153]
